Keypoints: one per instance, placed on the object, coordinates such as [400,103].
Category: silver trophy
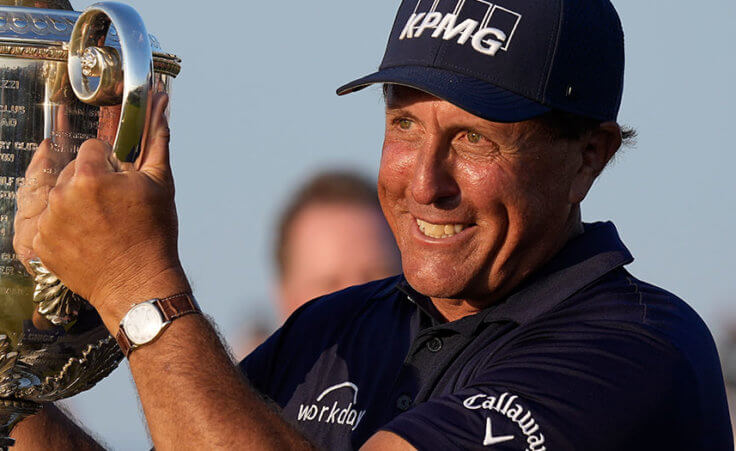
[65,77]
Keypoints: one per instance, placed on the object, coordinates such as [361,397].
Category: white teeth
[439,230]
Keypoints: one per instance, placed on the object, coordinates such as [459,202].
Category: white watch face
[142,323]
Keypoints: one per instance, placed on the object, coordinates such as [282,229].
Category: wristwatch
[144,322]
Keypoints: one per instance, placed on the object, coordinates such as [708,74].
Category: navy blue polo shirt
[582,356]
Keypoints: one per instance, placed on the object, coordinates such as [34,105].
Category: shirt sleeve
[597,387]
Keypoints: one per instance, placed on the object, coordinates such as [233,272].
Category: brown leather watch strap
[177,305]
[171,308]
[123,341]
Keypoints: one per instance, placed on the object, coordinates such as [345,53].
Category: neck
[455,309]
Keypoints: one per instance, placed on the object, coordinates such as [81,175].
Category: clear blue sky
[254,112]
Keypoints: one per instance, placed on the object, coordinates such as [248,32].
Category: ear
[597,148]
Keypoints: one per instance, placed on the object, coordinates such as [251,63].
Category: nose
[433,182]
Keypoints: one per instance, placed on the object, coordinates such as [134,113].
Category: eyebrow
[400,111]
[395,95]
[394,103]
[392,114]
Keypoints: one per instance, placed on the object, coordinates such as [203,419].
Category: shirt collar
[466,326]
[583,260]
[422,302]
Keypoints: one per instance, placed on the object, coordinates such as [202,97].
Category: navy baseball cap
[508,61]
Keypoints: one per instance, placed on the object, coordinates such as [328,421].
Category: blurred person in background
[331,235]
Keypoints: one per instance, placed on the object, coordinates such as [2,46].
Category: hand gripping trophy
[64,77]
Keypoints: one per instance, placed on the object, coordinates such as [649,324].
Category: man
[515,325]
[330,236]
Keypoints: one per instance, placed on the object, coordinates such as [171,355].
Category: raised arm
[123,224]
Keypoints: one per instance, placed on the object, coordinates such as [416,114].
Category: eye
[470,142]
[404,123]
[474,137]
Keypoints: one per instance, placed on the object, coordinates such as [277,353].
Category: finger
[155,156]
[40,177]
[93,159]
[25,232]
[40,249]
[67,173]
[45,165]
[40,243]
[32,202]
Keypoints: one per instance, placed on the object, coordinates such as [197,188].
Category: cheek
[552,183]
[394,172]
[397,157]
[512,193]
[394,176]
[488,188]
[541,193]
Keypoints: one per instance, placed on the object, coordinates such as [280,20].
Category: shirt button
[403,403]
[435,344]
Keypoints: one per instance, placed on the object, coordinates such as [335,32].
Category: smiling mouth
[439,230]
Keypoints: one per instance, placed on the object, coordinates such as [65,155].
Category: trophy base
[11,412]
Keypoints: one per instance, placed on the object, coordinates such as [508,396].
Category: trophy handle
[100,76]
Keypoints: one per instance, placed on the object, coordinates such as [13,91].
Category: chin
[434,285]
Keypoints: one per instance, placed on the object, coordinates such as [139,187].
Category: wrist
[147,320]
[113,302]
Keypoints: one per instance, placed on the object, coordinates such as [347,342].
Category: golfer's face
[474,205]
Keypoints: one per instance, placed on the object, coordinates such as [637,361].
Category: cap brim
[472,95]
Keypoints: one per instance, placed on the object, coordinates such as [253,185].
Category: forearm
[192,394]
[195,398]
[50,428]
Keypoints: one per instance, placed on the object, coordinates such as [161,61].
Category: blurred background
[254,115]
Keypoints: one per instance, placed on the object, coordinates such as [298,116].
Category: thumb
[155,157]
